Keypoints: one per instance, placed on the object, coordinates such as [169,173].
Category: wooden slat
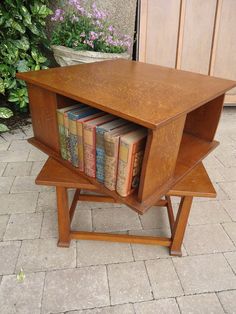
[198,32]
[225,52]
[162,26]
[99,236]
[143,30]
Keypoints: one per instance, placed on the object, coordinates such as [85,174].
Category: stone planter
[67,56]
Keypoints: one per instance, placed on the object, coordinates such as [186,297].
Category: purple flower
[98,14]
[58,15]
[93,35]
[111,28]
[89,43]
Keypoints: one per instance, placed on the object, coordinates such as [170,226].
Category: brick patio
[100,277]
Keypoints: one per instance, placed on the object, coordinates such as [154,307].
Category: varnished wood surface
[149,95]
[53,173]
[132,200]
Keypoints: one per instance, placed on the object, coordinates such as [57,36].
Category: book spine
[80,146]
[61,130]
[67,138]
[100,155]
[89,151]
[123,169]
[111,145]
[73,142]
[136,165]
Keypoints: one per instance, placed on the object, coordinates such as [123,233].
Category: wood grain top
[149,95]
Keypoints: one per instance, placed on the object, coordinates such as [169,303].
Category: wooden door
[193,35]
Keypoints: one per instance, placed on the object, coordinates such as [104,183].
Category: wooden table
[180,109]
[195,184]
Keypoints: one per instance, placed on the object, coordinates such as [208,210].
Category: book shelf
[180,109]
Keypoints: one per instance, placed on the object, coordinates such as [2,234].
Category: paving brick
[5,184]
[21,297]
[200,304]
[145,252]
[21,168]
[128,283]
[154,218]
[19,145]
[230,228]
[164,306]
[96,252]
[231,258]
[204,273]
[2,167]
[163,277]
[229,188]
[76,289]
[115,219]
[228,300]
[18,203]
[3,224]
[230,207]
[82,220]
[12,156]
[16,134]
[47,201]
[8,255]
[43,254]
[36,167]
[27,184]
[117,309]
[208,212]
[4,145]
[203,239]
[37,155]
[23,226]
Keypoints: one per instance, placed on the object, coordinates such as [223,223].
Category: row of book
[102,145]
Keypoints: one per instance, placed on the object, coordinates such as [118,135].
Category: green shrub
[22,34]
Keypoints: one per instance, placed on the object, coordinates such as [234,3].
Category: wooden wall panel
[197,35]
[225,54]
[162,25]
[193,35]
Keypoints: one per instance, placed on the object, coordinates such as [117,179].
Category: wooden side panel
[225,55]
[160,157]
[43,105]
[203,121]
[162,32]
[197,37]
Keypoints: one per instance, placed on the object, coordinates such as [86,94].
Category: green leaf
[35,30]
[2,86]
[20,28]
[13,97]
[22,66]
[23,43]
[26,15]
[5,113]
[20,276]
[3,128]
[42,59]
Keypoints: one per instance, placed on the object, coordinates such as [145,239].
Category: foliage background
[22,37]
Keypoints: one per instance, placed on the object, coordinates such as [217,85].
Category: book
[79,125]
[73,116]
[67,134]
[89,136]
[61,128]
[111,145]
[100,150]
[131,151]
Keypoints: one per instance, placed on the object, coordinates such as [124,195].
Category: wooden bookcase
[180,109]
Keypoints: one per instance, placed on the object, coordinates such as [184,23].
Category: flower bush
[83,28]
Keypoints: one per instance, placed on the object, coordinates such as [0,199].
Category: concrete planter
[67,56]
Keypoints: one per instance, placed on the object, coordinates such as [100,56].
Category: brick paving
[100,277]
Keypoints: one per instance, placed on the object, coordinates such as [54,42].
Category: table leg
[63,217]
[180,225]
